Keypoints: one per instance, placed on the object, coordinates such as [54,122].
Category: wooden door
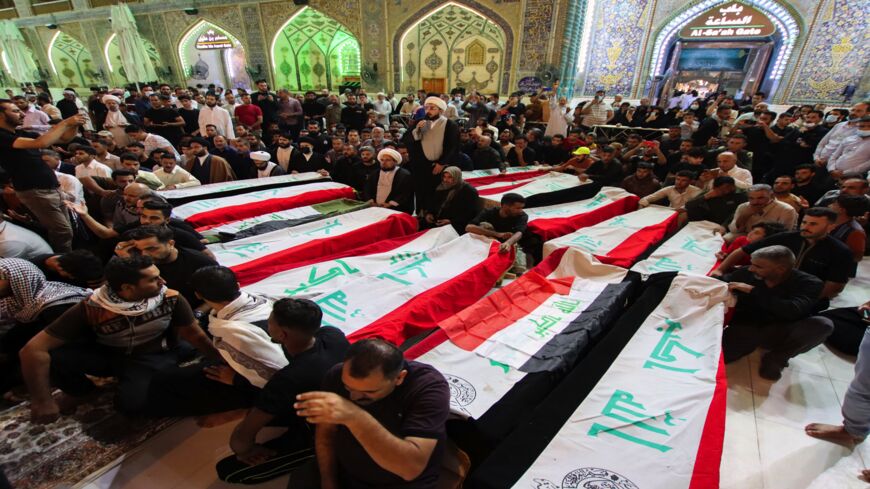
[435,85]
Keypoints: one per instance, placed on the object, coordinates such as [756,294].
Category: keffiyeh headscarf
[109,300]
[31,293]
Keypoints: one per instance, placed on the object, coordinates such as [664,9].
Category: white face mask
[810,125]
[693,107]
[831,119]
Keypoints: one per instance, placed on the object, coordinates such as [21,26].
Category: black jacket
[789,301]
[464,206]
[402,191]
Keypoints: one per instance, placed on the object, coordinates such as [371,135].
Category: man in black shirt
[506,223]
[818,254]
[312,350]
[176,264]
[717,205]
[266,101]
[607,170]
[521,154]
[381,422]
[806,183]
[775,303]
[353,115]
[35,183]
[162,119]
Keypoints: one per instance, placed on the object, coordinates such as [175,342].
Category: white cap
[436,101]
[397,157]
[260,156]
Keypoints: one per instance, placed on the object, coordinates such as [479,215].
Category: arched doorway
[72,62]
[452,46]
[209,54]
[112,52]
[314,51]
[754,39]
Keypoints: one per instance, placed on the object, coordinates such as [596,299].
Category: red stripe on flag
[507,177]
[426,344]
[470,328]
[501,189]
[426,310]
[216,217]
[705,474]
[393,226]
[627,252]
[557,227]
[550,263]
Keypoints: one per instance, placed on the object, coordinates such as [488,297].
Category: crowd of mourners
[98,279]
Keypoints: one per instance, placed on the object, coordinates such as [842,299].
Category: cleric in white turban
[116,120]
[265,168]
[393,187]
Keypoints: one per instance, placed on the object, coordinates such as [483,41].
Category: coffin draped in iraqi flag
[551,188]
[479,178]
[692,250]
[258,257]
[397,288]
[553,221]
[207,213]
[222,189]
[620,240]
[540,323]
[645,409]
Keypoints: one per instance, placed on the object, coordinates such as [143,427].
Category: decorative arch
[226,68]
[787,25]
[72,62]
[493,21]
[112,53]
[312,50]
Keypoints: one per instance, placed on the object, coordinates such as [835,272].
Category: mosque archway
[72,62]
[112,53]
[209,54]
[453,46]
[314,51]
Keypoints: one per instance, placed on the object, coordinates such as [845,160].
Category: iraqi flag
[265,223]
[553,221]
[531,331]
[692,251]
[552,188]
[223,189]
[207,213]
[398,292]
[620,240]
[479,178]
[645,409]
[257,257]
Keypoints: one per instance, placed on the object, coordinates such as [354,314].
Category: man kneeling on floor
[294,325]
[127,329]
[221,389]
[774,310]
[380,420]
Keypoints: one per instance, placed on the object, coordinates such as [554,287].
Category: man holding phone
[596,112]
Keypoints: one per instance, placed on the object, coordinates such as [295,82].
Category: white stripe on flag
[692,250]
[603,237]
[606,196]
[247,249]
[551,182]
[253,183]
[643,421]
[314,280]
[857,291]
[187,211]
[519,170]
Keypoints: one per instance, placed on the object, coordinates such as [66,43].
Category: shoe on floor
[770,370]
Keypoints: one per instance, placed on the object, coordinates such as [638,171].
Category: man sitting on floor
[761,207]
[250,359]
[381,421]
[127,329]
[775,303]
[312,350]
[392,187]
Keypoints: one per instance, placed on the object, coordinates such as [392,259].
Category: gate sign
[213,40]
[729,21]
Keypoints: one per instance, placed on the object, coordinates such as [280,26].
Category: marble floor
[765,446]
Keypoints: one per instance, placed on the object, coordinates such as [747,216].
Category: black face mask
[305,150]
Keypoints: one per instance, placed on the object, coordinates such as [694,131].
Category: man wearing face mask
[432,146]
[841,131]
[801,145]
[306,160]
[852,157]
[391,187]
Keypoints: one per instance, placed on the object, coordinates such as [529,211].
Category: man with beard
[283,152]
[189,114]
[172,175]
[344,165]
[306,160]
[391,187]
[241,168]
[312,109]
[206,167]
[218,116]
[264,167]
[322,141]
[35,183]
[123,330]
[162,119]
[806,185]
[381,420]
[432,146]
[366,168]
[798,148]
[266,101]
[353,115]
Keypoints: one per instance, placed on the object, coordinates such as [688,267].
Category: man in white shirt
[219,117]
[34,120]
[383,108]
[727,163]
[852,157]
[761,207]
[596,112]
[150,141]
[831,141]
[174,176]
[87,166]
[103,155]
[677,194]
[70,186]
[20,242]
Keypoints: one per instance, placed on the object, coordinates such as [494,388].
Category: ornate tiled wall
[537,33]
[837,53]
[374,42]
[615,46]
[256,48]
